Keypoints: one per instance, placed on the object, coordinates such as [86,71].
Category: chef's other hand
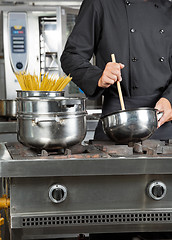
[164,106]
[111,74]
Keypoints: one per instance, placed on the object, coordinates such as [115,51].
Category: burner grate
[97,219]
[20,152]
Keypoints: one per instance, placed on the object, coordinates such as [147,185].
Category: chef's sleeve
[79,49]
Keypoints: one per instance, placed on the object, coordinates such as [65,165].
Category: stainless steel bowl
[130,125]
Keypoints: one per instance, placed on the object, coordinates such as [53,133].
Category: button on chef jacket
[138,32]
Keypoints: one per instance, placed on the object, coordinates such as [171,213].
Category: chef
[139,33]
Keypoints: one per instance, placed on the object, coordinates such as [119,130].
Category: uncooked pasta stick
[30,82]
[67,80]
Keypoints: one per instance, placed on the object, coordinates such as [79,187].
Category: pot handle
[42,119]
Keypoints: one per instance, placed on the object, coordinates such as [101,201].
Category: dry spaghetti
[30,82]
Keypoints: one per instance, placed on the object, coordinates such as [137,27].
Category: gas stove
[97,187]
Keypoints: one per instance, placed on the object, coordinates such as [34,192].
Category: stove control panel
[157,190]
[57,193]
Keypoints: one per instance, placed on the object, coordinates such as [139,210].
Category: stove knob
[157,190]
[57,193]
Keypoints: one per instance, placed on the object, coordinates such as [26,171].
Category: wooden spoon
[119,86]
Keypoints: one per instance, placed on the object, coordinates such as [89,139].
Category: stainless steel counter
[8,127]
[96,164]
[8,131]
[90,191]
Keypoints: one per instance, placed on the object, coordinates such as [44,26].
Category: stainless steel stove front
[92,204]
[52,197]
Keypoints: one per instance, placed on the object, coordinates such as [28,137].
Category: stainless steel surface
[107,189]
[8,130]
[48,94]
[39,167]
[50,123]
[8,127]
[4,154]
[8,108]
[94,204]
[130,125]
[25,162]
[49,132]
[45,105]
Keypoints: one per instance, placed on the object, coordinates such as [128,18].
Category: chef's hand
[111,74]
[164,106]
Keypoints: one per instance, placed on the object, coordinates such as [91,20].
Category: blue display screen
[17,31]
[18,40]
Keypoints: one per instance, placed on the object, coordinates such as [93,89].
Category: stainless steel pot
[47,123]
[34,105]
[49,94]
[130,125]
[51,131]
[8,108]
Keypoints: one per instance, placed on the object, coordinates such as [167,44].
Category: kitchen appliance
[98,187]
[20,54]
[33,41]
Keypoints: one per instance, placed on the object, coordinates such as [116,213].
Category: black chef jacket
[138,32]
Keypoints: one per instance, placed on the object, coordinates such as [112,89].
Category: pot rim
[129,110]
[48,98]
[39,91]
[63,115]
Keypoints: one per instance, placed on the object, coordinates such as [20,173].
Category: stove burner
[19,151]
[153,147]
[94,149]
[113,149]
